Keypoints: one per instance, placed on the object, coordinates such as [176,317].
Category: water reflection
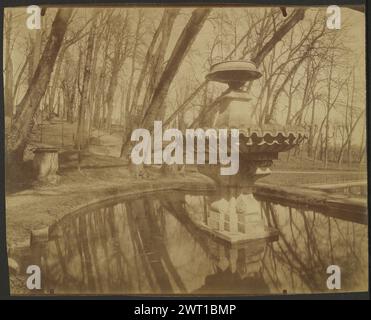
[225,242]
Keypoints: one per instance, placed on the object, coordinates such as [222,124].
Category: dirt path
[38,208]
[317,172]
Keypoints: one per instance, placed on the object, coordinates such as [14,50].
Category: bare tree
[180,50]
[8,89]
[119,55]
[82,124]
[22,122]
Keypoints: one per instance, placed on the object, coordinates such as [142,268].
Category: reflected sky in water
[223,242]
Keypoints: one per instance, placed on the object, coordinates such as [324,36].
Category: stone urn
[45,165]
[259,144]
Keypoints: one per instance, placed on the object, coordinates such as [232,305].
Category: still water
[223,242]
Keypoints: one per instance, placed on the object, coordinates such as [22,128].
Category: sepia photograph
[214,150]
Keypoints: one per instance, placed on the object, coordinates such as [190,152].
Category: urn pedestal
[235,112]
[232,215]
[45,165]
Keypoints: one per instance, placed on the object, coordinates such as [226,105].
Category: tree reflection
[309,243]
[170,243]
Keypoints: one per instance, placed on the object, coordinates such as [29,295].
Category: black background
[171,302]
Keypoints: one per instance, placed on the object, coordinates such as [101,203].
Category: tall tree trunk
[55,81]
[117,61]
[311,129]
[157,63]
[349,156]
[147,59]
[182,47]
[130,104]
[35,45]
[99,98]
[278,35]
[81,131]
[93,82]
[328,109]
[8,89]
[362,147]
[180,50]
[349,137]
[23,120]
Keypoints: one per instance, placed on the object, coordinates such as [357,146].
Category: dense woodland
[126,67]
